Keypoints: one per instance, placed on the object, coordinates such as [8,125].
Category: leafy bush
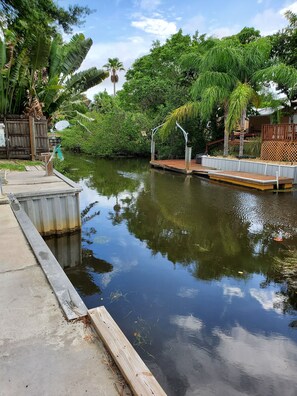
[116,133]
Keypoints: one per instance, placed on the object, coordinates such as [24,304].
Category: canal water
[192,273]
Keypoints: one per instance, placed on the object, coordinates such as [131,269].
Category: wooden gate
[23,137]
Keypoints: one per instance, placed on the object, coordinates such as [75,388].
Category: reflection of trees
[284,272]
[83,276]
[174,217]
[206,229]
[103,175]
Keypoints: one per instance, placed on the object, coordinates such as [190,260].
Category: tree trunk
[226,143]
[114,82]
[242,131]
[226,133]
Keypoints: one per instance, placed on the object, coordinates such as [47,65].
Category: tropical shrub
[117,133]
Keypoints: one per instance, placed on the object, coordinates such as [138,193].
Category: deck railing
[279,132]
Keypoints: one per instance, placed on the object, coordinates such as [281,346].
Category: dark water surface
[187,269]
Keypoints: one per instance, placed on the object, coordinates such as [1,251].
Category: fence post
[32,137]
[6,139]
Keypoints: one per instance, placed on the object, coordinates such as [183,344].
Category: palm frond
[86,79]
[55,57]
[190,62]
[212,96]
[74,53]
[39,52]
[213,78]
[183,113]
[242,95]
[280,74]
[222,57]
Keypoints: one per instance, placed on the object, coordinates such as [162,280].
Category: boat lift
[188,150]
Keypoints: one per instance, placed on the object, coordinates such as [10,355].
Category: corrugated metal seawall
[53,213]
[251,167]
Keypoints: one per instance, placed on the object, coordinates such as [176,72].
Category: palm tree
[113,66]
[225,80]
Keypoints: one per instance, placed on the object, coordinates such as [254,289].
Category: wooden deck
[179,166]
[250,180]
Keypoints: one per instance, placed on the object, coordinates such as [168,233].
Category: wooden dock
[179,166]
[245,179]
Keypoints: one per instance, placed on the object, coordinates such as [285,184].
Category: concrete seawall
[40,352]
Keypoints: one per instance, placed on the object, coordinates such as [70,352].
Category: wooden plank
[136,373]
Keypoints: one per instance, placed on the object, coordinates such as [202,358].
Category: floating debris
[201,248]
[117,295]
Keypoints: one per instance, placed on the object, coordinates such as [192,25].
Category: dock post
[188,155]
[153,146]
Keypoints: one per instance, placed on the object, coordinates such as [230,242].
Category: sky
[126,28]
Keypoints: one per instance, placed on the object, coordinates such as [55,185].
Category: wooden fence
[279,132]
[279,142]
[23,137]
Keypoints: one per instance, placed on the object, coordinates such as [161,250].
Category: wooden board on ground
[138,376]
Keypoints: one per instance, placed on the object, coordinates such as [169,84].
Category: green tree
[226,80]
[284,42]
[41,78]
[103,102]
[44,15]
[113,66]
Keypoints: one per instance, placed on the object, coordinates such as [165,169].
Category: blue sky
[127,28]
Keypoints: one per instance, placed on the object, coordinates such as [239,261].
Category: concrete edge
[71,191]
[71,183]
[69,299]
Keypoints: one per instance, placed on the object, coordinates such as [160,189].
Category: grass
[15,165]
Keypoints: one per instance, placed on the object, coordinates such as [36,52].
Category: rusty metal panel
[53,213]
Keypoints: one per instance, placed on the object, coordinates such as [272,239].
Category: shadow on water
[192,272]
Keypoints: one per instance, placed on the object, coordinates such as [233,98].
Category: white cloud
[224,31]
[275,356]
[269,21]
[148,4]
[156,26]
[232,291]
[187,292]
[268,299]
[292,7]
[188,323]
[193,24]
[214,364]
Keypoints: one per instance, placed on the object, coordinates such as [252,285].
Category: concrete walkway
[40,352]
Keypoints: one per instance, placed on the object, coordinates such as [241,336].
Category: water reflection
[66,248]
[188,270]
[240,362]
